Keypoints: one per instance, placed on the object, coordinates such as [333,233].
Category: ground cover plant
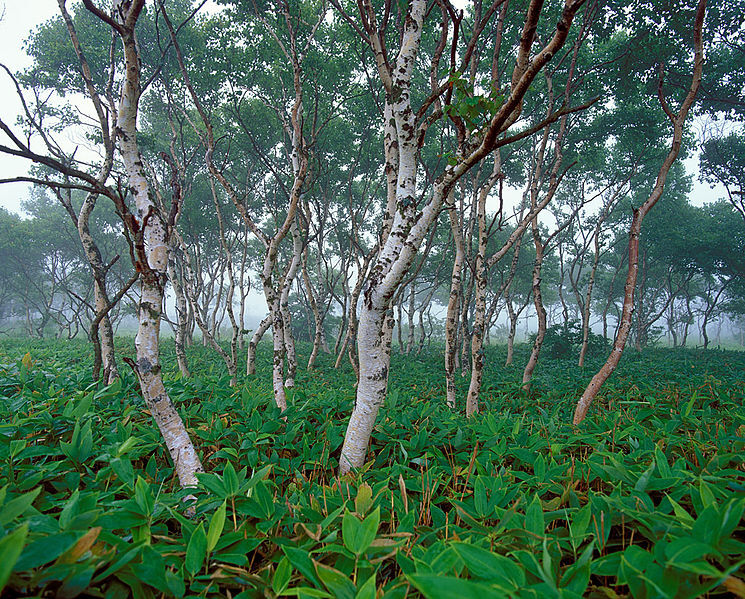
[645,500]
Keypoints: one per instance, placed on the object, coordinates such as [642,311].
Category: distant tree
[722,161]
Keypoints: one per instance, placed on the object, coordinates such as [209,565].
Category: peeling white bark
[182,451]
[409,226]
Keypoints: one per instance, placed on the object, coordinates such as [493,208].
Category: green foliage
[475,110]
[645,501]
[563,341]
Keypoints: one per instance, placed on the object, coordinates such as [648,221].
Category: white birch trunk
[409,226]
[318,337]
[410,318]
[155,249]
[289,341]
[182,312]
[480,283]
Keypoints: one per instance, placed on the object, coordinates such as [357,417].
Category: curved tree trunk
[689,320]
[410,223]
[480,277]
[289,340]
[554,181]
[410,317]
[583,405]
[562,301]
[152,256]
[710,310]
[191,283]
[235,329]
[464,329]
[318,337]
[399,319]
[513,329]
[374,352]
[101,335]
[586,306]
[539,308]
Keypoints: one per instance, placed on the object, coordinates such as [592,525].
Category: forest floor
[644,499]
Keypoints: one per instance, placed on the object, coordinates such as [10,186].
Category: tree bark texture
[410,225]
[677,121]
[153,259]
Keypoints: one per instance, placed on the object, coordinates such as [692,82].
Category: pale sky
[19,17]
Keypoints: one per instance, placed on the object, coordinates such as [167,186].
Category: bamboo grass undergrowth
[645,499]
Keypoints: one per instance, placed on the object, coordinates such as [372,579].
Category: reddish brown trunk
[628,302]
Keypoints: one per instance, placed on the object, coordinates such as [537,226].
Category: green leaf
[686,549]
[731,516]
[127,445]
[539,467]
[367,590]
[282,574]
[448,587]
[70,510]
[122,561]
[303,592]
[706,526]
[480,500]
[45,549]
[662,466]
[706,495]
[76,582]
[336,582]
[363,501]
[300,560]
[577,576]
[482,563]
[263,501]
[152,569]
[196,550]
[689,405]
[17,506]
[122,467]
[82,407]
[109,391]
[370,528]
[580,523]
[631,569]
[144,497]
[534,521]
[643,481]
[175,582]
[680,511]
[230,479]
[357,535]
[11,546]
[217,523]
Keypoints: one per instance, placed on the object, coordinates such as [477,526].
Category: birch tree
[99,91]
[150,230]
[276,283]
[405,223]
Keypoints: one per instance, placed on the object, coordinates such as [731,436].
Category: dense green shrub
[564,340]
